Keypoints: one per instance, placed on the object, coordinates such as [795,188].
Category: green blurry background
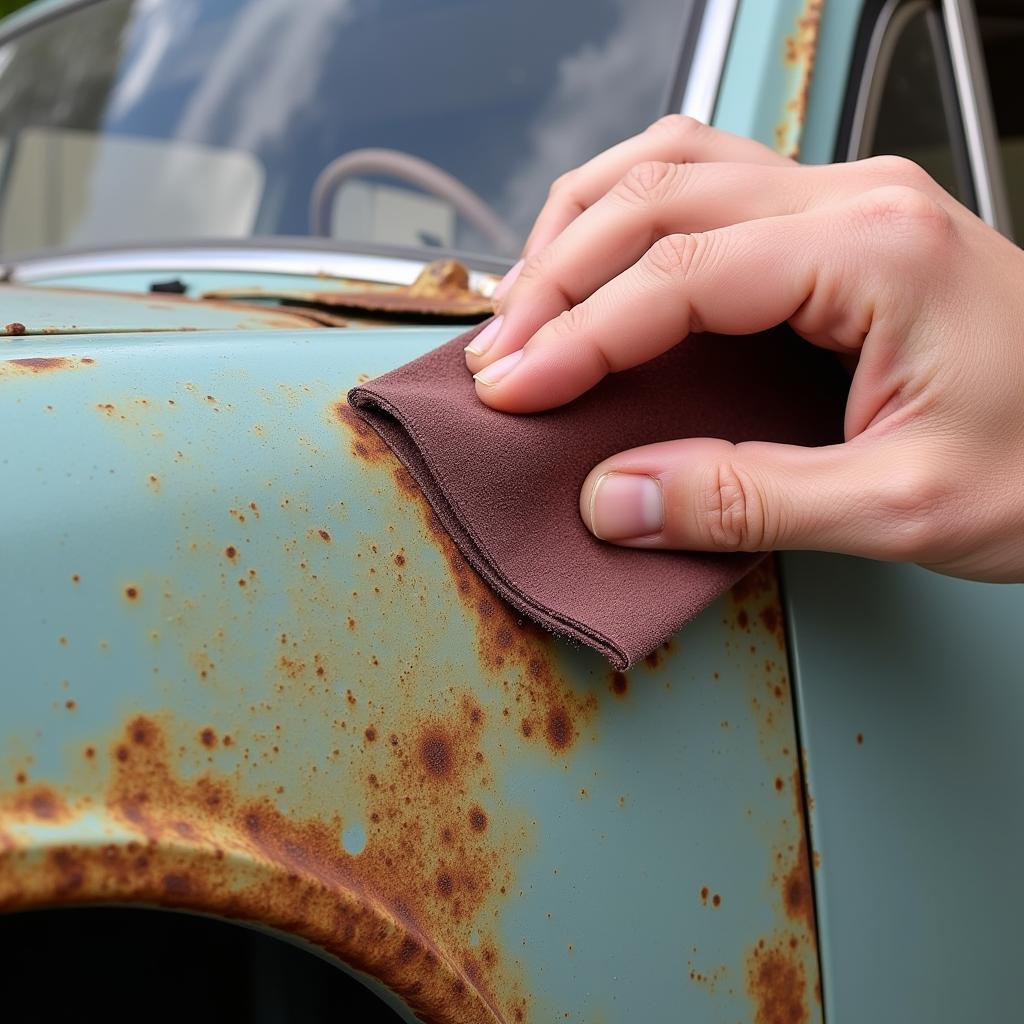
[6,6]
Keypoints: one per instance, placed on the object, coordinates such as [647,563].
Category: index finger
[739,279]
[672,139]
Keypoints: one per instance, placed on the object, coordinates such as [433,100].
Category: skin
[871,260]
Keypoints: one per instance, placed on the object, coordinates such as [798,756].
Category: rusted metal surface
[800,49]
[782,967]
[442,290]
[249,675]
[54,311]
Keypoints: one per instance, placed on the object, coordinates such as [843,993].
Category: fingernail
[485,339]
[490,375]
[625,506]
[507,281]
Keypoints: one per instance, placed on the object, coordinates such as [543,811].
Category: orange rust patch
[797,891]
[231,552]
[324,536]
[508,647]
[658,655]
[619,684]
[14,328]
[777,983]
[39,803]
[208,737]
[131,592]
[398,911]
[43,364]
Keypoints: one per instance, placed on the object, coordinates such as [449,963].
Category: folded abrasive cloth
[506,488]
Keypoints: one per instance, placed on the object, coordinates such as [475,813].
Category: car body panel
[216,587]
[911,713]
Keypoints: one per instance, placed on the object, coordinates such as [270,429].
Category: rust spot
[477,819]
[509,649]
[779,784]
[742,619]
[400,559]
[90,752]
[324,536]
[370,734]
[44,804]
[777,984]
[799,54]
[860,738]
[131,592]
[716,900]
[619,684]
[435,750]
[14,328]
[75,578]
[704,892]
[558,729]
[208,737]
[441,290]
[231,552]
[70,705]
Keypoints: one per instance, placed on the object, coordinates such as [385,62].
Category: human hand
[685,228]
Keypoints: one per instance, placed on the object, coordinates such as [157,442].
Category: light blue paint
[757,84]
[674,799]
[754,87]
[828,87]
[354,838]
[919,827]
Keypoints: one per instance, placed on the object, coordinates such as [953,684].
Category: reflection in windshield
[248,101]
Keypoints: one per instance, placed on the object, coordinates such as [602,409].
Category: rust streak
[43,364]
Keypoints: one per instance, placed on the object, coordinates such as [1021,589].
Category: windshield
[392,122]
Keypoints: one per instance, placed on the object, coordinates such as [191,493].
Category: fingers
[675,139]
[828,270]
[872,498]
[651,201]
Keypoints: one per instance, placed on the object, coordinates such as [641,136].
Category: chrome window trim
[977,121]
[269,260]
[976,112]
[708,65]
[884,36]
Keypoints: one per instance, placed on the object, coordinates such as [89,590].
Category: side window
[1002,39]
[907,104]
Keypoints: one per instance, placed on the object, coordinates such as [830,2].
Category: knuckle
[731,509]
[911,504]
[569,322]
[678,126]
[673,257]
[561,184]
[898,170]
[902,214]
[537,266]
[646,184]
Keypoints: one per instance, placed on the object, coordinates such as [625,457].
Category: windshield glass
[401,122]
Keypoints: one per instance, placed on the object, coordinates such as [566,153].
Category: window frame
[955,34]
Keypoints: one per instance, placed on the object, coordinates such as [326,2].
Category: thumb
[865,497]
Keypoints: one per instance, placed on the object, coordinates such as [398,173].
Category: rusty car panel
[247,674]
